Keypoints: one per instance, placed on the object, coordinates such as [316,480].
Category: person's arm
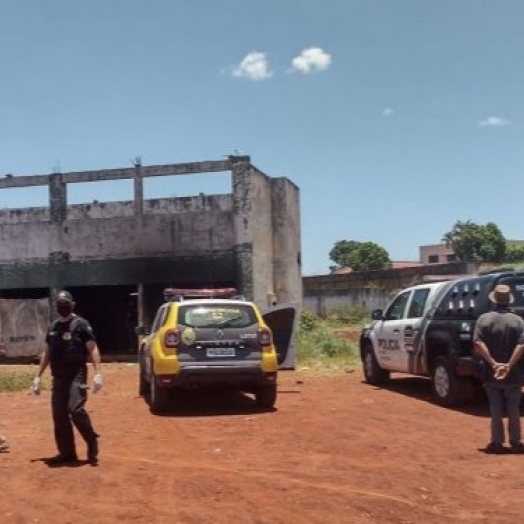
[482,351]
[44,361]
[94,356]
[516,355]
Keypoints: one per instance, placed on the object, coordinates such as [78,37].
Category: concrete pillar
[243,250]
[138,186]
[57,198]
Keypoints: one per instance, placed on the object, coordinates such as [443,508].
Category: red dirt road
[334,451]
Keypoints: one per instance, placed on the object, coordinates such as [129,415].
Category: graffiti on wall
[23,325]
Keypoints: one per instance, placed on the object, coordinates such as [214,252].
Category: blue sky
[396,118]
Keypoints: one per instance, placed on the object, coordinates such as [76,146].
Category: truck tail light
[171,339]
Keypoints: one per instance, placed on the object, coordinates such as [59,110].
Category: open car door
[283,322]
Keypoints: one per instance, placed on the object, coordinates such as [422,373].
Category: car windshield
[217,316]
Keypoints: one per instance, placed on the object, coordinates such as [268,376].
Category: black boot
[61,459]
[92,449]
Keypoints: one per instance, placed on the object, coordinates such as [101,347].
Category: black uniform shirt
[67,344]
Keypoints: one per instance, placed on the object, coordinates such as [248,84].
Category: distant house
[404,264]
[343,271]
[436,254]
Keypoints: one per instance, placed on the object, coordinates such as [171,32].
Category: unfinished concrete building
[117,257]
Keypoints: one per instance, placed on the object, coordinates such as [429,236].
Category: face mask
[64,309]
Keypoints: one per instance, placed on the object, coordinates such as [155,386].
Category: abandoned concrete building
[117,257]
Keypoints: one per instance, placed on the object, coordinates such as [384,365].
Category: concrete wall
[323,303]
[262,243]
[372,289]
[93,231]
[389,279]
[267,227]
[287,254]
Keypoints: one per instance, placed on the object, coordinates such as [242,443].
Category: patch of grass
[18,380]
[321,347]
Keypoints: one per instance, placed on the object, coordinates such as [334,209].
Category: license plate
[220,352]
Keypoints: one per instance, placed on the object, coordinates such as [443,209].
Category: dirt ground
[335,450]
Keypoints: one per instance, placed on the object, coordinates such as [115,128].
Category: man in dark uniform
[70,344]
[499,340]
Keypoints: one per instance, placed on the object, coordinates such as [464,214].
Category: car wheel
[373,373]
[143,385]
[448,389]
[158,397]
[266,396]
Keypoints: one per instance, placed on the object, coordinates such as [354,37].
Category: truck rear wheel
[448,389]
[373,373]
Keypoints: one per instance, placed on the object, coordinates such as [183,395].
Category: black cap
[65,296]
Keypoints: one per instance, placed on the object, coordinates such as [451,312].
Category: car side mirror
[376,314]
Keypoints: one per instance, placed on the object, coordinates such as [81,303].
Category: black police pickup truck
[427,330]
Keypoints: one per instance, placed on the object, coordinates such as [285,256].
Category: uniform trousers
[68,398]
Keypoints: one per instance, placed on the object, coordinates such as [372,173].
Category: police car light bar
[173,293]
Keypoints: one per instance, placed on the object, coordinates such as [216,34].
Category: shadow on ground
[419,388]
[211,403]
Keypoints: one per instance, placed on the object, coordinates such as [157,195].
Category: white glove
[98,382]
[36,386]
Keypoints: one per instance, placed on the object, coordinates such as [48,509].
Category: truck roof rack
[172,294]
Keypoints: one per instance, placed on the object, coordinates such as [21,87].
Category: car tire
[449,389]
[266,396]
[373,373]
[158,397]
[143,385]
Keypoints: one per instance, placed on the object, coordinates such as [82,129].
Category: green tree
[464,240]
[514,253]
[476,243]
[368,256]
[340,252]
[493,244]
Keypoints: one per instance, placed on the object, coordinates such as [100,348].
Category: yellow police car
[209,342]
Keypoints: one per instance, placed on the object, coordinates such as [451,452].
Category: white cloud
[388,111]
[494,121]
[253,66]
[311,60]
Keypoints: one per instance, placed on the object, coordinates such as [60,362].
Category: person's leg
[495,398]
[512,397]
[80,417]
[64,436]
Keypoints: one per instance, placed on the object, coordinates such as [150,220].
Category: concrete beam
[188,168]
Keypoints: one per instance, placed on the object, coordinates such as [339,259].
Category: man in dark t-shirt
[70,344]
[499,340]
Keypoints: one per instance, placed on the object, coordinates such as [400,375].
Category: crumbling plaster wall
[179,227]
[287,256]
[262,236]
